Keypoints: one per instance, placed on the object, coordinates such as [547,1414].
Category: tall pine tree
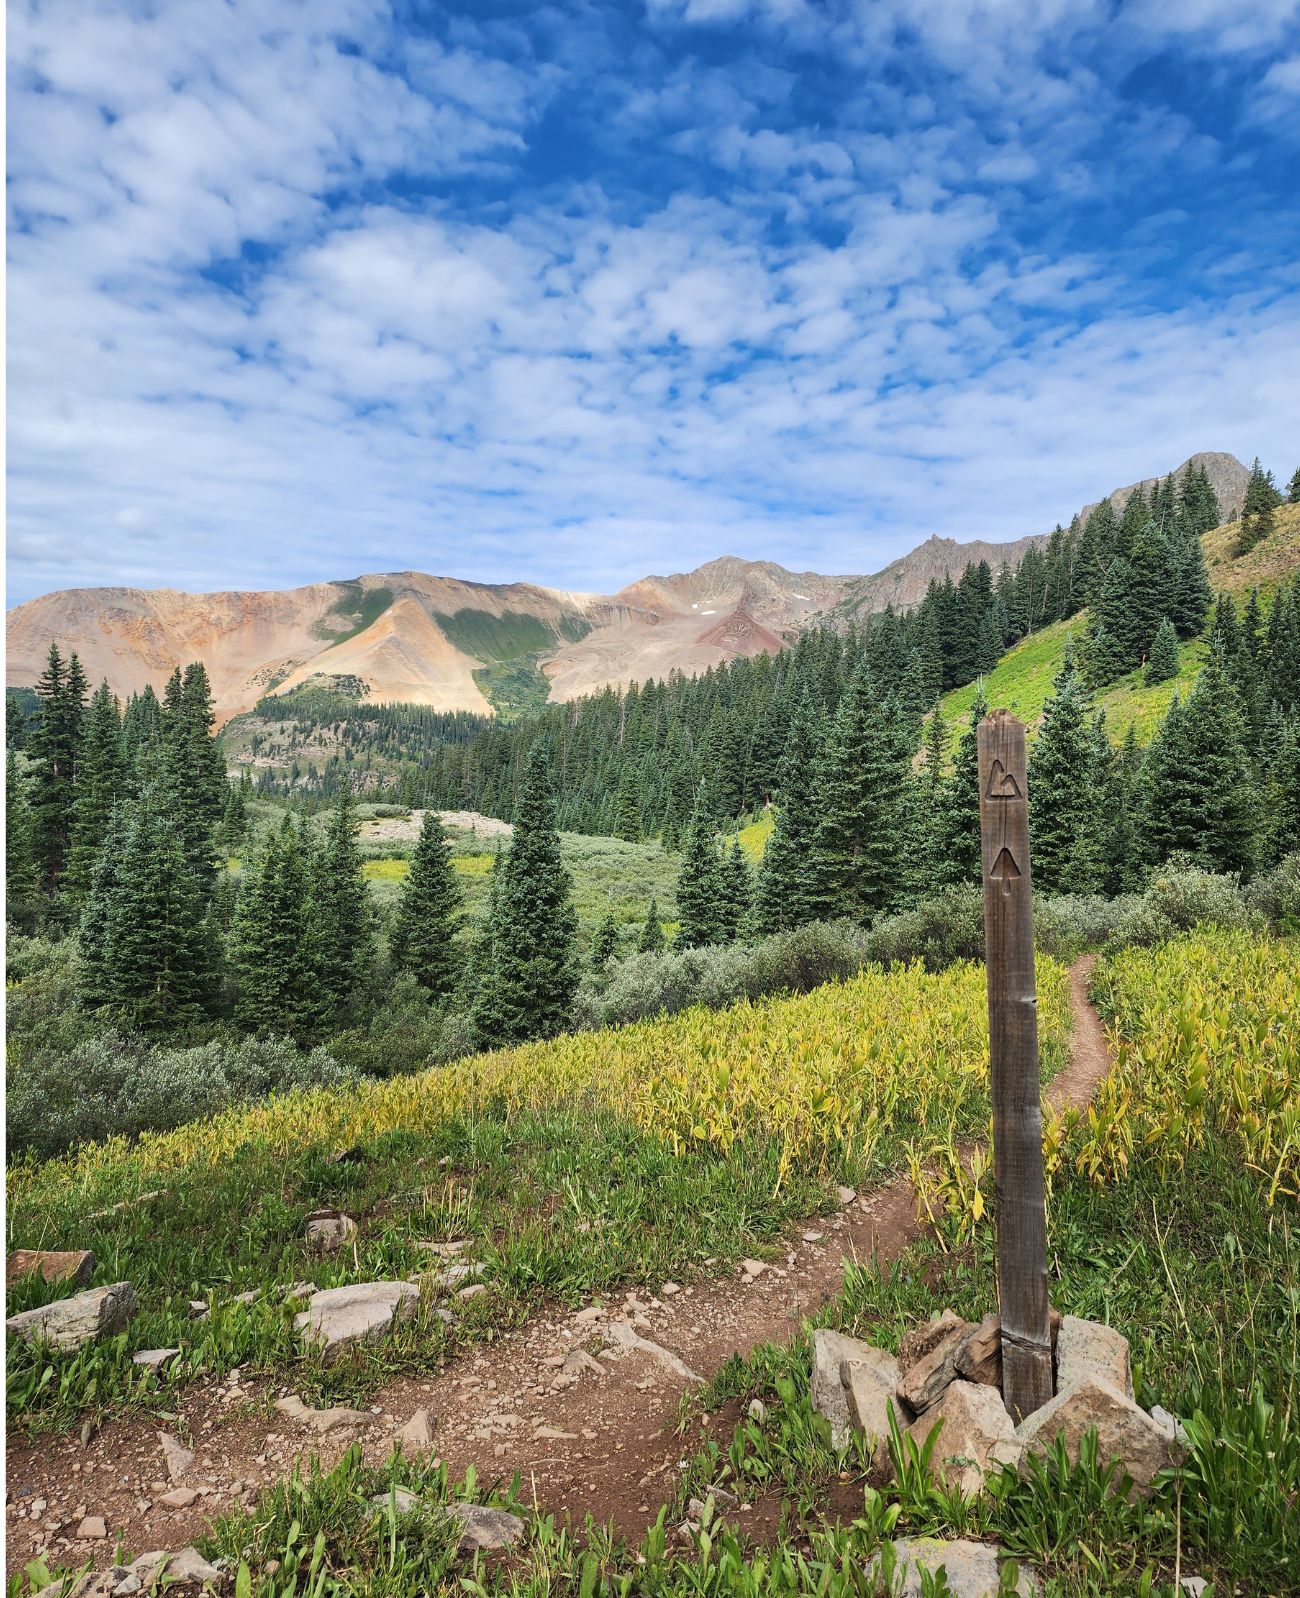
[429,914]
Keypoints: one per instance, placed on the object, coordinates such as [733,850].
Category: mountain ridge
[426,639]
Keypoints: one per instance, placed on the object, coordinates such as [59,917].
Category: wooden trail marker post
[1013,1064]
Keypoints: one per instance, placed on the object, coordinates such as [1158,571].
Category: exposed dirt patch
[603,1442]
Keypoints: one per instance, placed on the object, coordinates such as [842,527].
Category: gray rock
[976,1436]
[922,1382]
[1172,1427]
[178,1458]
[329,1230]
[178,1498]
[1087,1348]
[405,1501]
[321,1420]
[337,1318]
[417,1434]
[249,1297]
[1124,1431]
[97,1584]
[75,1265]
[973,1569]
[188,1568]
[577,1364]
[92,1529]
[154,1358]
[870,1386]
[483,1530]
[830,1351]
[619,1335]
[921,1339]
[70,1322]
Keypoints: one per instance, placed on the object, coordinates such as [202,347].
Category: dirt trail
[603,1442]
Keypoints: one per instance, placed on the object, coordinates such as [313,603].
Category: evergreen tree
[1261,500]
[531,972]
[15,723]
[21,904]
[863,799]
[61,695]
[1189,586]
[1199,795]
[736,893]
[1121,849]
[1065,789]
[430,913]
[627,809]
[1283,789]
[1293,488]
[787,890]
[234,818]
[604,942]
[99,778]
[1115,625]
[1162,664]
[193,771]
[955,849]
[156,966]
[699,883]
[343,931]
[273,951]
[651,940]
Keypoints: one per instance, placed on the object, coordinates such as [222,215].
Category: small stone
[846,1195]
[1087,1348]
[578,1363]
[1124,1431]
[620,1335]
[321,1420]
[178,1458]
[70,1322]
[188,1568]
[921,1339]
[590,1315]
[178,1498]
[339,1317]
[757,1411]
[92,1529]
[443,1250]
[1172,1427]
[472,1291]
[353,1156]
[198,1309]
[830,1351]
[250,1297]
[130,1583]
[813,1237]
[870,1385]
[417,1434]
[976,1436]
[973,1569]
[1193,1586]
[75,1265]
[154,1358]
[405,1500]
[328,1230]
[483,1530]
[753,1268]
[670,1289]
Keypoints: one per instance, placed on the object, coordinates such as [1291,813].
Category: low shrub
[1276,894]
[114,1085]
[1069,923]
[1177,899]
[406,1034]
[939,930]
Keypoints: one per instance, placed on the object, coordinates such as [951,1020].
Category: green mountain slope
[1022,680]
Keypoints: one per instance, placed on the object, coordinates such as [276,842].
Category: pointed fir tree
[651,940]
[604,942]
[1162,663]
[736,895]
[532,966]
[343,932]
[193,772]
[429,914]
[954,847]
[787,890]
[1115,642]
[1293,488]
[21,902]
[15,723]
[699,882]
[234,818]
[1121,845]
[61,702]
[1283,788]
[1065,789]
[273,945]
[98,785]
[627,808]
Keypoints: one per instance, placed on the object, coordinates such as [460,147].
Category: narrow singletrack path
[603,1442]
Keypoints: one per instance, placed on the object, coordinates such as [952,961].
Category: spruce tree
[787,892]
[627,808]
[863,798]
[651,940]
[21,905]
[736,893]
[604,942]
[192,768]
[1199,796]
[343,932]
[273,946]
[954,850]
[158,970]
[430,913]
[1116,626]
[699,883]
[61,695]
[98,784]
[1283,789]
[1190,593]
[1064,789]
[532,968]
[1162,664]
[1121,847]
[1293,488]
[234,818]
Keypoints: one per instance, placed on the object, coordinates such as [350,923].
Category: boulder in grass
[327,1230]
[184,1571]
[337,1318]
[830,1350]
[154,1359]
[976,1436]
[70,1322]
[483,1530]
[870,1387]
[1124,1432]
[972,1569]
[75,1265]
[1087,1348]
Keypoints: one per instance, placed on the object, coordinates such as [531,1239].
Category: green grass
[509,636]
[1275,560]
[514,687]
[753,838]
[362,607]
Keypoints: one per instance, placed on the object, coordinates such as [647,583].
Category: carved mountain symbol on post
[1002,785]
[1004,869]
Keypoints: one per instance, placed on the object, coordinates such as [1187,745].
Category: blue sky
[575,292]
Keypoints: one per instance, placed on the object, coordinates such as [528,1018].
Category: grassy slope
[1022,679]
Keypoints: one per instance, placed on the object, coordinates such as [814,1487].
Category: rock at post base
[1087,1348]
[76,1265]
[973,1568]
[979,1359]
[1124,1431]
[339,1317]
[977,1436]
[870,1386]
[829,1352]
[921,1339]
[70,1322]
[923,1379]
